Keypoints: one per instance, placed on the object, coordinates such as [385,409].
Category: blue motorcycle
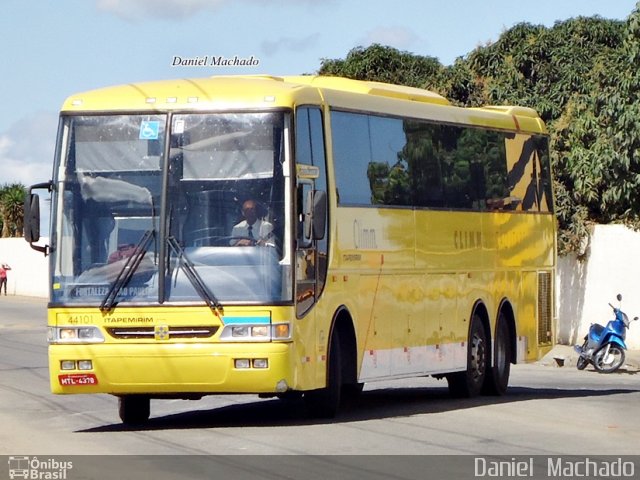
[604,346]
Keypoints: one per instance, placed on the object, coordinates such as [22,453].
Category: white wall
[29,269]
[584,288]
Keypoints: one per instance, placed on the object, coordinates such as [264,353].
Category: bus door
[311,206]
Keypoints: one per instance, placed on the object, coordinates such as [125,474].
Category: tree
[11,209]
[597,142]
[543,67]
[385,64]
[580,75]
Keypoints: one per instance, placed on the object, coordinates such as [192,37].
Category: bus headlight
[256,333]
[260,331]
[240,331]
[74,335]
[249,331]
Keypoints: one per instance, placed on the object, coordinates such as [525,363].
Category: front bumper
[171,368]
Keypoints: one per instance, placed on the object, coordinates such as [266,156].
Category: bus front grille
[128,333]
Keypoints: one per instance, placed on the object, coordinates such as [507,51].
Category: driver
[252,230]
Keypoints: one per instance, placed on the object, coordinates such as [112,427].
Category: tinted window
[352,155]
[404,162]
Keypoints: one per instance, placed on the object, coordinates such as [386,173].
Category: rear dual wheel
[469,383]
[497,379]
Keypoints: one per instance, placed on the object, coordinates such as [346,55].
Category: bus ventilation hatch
[545,316]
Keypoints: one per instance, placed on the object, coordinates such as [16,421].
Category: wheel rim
[501,351]
[478,358]
[611,360]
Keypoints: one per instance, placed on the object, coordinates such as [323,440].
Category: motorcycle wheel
[582,363]
[611,362]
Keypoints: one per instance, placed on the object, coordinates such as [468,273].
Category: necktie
[250,229]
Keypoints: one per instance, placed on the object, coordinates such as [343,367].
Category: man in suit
[253,230]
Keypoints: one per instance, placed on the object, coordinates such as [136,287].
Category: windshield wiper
[195,279]
[127,271]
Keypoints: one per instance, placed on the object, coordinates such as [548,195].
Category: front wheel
[134,409]
[325,402]
[608,360]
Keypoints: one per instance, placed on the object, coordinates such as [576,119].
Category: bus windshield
[151,208]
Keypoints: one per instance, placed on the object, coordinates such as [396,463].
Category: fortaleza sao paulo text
[214,61]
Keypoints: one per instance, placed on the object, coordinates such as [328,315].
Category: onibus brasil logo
[37,469]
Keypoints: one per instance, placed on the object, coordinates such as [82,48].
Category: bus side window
[310,151]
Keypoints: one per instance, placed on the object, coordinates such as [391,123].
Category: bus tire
[134,409]
[469,383]
[497,379]
[325,402]
[352,390]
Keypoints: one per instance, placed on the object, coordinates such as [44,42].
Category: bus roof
[255,92]
[371,88]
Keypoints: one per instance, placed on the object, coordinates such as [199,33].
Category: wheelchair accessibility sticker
[149,130]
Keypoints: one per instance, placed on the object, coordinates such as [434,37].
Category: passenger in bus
[123,252]
[253,230]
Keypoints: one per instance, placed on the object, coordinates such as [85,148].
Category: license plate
[75,379]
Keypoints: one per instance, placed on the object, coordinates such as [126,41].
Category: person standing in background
[3,277]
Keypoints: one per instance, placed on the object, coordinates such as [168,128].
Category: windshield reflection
[219,162]
[109,224]
[109,188]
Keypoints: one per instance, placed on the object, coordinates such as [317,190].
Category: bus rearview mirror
[32,217]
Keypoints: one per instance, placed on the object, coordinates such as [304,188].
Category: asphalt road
[547,411]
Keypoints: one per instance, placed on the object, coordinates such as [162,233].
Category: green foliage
[582,77]
[384,64]
[11,210]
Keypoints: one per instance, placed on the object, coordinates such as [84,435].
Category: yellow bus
[392,235]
